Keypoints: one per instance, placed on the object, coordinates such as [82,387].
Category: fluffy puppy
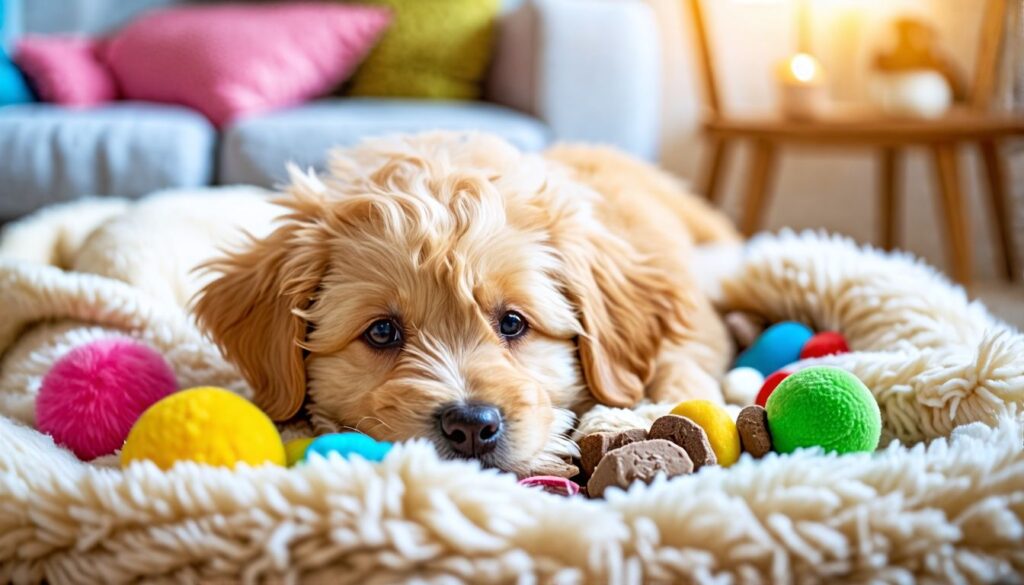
[448,286]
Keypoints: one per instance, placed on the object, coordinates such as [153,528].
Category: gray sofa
[584,70]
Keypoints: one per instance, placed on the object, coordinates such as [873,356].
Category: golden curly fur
[443,234]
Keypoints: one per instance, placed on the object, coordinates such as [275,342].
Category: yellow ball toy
[717,424]
[206,425]
[295,450]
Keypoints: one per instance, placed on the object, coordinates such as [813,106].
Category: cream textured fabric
[85,270]
[942,510]
[933,358]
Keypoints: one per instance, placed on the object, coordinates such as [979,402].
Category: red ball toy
[769,386]
[823,344]
[93,395]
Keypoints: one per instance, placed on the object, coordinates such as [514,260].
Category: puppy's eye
[383,334]
[512,325]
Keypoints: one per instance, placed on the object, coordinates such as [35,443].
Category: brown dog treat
[752,424]
[627,437]
[560,469]
[595,446]
[640,461]
[744,327]
[688,435]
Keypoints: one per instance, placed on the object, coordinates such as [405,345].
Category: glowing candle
[802,91]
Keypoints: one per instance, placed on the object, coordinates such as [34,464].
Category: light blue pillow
[13,87]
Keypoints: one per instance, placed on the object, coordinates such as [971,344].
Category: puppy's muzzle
[471,429]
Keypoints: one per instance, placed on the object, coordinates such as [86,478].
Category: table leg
[717,162]
[1000,210]
[951,201]
[762,172]
[889,216]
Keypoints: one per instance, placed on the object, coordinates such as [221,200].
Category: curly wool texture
[944,512]
[951,510]
[933,359]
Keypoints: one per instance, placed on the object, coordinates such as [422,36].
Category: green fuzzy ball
[823,407]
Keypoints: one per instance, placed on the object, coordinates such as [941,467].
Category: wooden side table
[972,124]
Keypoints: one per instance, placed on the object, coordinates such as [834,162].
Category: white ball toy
[741,385]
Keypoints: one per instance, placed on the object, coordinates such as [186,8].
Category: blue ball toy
[348,444]
[776,348]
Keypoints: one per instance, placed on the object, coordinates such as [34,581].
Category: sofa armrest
[591,69]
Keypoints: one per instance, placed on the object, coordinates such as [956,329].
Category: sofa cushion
[434,48]
[66,70]
[256,150]
[50,154]
[234,60]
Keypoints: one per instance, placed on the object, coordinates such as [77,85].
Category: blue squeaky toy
[348,444]
[776,348]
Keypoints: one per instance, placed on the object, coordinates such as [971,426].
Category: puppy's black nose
[471,430]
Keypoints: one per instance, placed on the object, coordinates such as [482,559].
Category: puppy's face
[416,318]
[443,288]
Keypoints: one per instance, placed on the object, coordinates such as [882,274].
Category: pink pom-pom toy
[93,395]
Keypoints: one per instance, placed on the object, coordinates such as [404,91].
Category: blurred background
[835,189]
[871,118]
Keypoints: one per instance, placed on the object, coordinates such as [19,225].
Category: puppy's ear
[254,309]
[627,306]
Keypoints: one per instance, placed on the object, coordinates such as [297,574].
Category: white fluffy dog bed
[944,502]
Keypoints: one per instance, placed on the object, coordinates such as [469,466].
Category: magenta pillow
[233,60]
[66,70]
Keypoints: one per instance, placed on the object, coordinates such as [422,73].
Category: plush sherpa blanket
[943,502]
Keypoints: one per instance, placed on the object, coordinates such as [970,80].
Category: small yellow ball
[295,450]
[717,424]
[206,425]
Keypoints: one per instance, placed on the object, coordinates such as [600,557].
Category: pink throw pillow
[66,70]
[232,60]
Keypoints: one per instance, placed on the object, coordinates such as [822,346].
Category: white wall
[818,189]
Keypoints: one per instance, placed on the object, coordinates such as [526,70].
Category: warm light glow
[801,69]
[803,66]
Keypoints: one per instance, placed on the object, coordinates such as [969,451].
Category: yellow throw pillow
[433,49]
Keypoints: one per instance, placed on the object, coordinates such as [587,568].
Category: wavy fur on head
[444,233]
